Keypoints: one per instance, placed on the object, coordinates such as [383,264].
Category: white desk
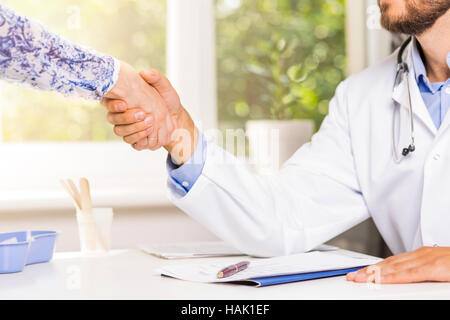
[129,274]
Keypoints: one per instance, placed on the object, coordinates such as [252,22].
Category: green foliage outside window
[278,59]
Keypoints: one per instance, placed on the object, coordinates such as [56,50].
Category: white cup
[95,231]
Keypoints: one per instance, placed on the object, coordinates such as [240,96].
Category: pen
[233,269]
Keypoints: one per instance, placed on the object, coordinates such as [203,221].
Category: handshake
[147,113]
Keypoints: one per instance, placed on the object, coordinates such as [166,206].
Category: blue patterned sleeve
[30,54]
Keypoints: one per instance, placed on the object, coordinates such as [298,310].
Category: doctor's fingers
[144,144]
[163,136]
[404,257]
[141,144]
[425,258]
[368,274]
[159,136]
[423,254]
[136,137]
[393,264]
[114,105]
[411,275]
[358,276]
[377,272]
[129,129]
[127,117]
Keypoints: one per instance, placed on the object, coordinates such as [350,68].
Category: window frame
[191,66]
[367,42]
[28,187]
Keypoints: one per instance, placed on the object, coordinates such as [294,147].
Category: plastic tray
[31,247]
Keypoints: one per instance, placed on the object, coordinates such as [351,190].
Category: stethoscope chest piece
[409,150]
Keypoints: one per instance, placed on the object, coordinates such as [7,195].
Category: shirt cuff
[114,78]
[182,178]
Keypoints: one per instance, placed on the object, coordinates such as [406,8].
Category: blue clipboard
[270,281]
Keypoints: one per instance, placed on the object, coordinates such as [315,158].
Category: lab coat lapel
[445,124]
[401,96]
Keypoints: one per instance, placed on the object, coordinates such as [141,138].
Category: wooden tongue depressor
[75,191]
[86,201]
[74,198]
[87,215]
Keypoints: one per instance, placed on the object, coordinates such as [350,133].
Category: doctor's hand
[425,264]
[134,126]
[145,102]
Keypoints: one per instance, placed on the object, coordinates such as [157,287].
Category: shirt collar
[420,70]
[448,60]
[419,67]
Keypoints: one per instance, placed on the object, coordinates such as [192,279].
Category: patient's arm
[33,55]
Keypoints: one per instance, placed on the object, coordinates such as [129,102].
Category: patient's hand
[134,126]
[425,264]
[135,93]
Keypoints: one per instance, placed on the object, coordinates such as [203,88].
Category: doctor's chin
[203,149]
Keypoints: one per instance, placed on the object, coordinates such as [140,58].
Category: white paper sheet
[295,264]
[191,250]
[201,250]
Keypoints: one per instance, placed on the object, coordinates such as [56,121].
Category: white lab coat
[344,176]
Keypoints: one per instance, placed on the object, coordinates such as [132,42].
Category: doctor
[383,152]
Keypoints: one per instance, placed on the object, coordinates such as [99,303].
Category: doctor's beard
[417,16]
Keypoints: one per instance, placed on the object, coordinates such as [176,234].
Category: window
[278,59]
[230,61]
[46,137]
[132,30]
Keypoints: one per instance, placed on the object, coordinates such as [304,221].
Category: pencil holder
[95,231]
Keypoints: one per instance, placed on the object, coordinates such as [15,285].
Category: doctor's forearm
[184,139]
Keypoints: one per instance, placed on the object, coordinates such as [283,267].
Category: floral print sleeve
[30,54]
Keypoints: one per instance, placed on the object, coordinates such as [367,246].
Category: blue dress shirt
[182,178]
[435,95]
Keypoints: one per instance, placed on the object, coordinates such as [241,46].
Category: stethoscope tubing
[403,71]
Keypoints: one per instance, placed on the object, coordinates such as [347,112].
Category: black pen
[233,269]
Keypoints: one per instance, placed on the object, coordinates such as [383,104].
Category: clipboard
[274,271]
[270,281]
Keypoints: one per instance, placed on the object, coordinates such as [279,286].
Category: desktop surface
[130,274]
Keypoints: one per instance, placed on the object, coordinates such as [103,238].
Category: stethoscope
[403,71]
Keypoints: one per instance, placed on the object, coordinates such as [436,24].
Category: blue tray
[31,247]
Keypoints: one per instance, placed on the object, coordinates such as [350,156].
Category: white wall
[191,57]
[367,42]
[378,39]
[130,227]
[161,225]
